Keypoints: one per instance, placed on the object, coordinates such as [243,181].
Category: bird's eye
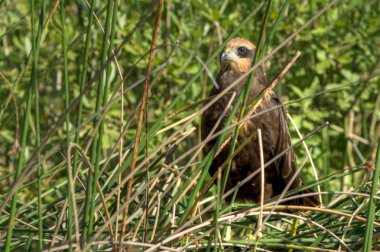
[242,50]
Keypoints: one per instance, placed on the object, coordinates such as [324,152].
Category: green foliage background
[340,47]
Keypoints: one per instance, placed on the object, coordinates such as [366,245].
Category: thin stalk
[21,157]
[39,170]
[217,207]
[44,27]
[372,128]
[206,163]
[294,232]
[38,135]
[308,154]
[258,53]
[97,144]
[70,214]
[140,118]
[89,196]
[105,97]
[274,26]
[120,154]
[326,160]
[146,220]
[262,192]
[367,246]
[82,82]
[80,105]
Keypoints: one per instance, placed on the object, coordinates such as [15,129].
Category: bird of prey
[235,60]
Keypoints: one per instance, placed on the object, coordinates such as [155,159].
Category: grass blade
[367,246]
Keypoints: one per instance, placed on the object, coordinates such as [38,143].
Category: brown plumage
[235,60]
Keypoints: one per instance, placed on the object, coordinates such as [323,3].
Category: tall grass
[109,156]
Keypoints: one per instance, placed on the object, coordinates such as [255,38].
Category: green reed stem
[83,82]
[367,246]
[79,114]
[38,135]
[258,53]
[97,144]
[105,84]
[326,159]
[80,107]
[29,93]
[87,216]
[274,26]
[70,214]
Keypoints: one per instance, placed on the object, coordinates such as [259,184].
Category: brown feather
[275,134]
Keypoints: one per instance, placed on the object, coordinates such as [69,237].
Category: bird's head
[237,55]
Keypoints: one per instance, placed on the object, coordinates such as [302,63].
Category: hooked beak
[228,54]
[224,56]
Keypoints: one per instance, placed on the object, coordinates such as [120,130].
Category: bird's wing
[285,166]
